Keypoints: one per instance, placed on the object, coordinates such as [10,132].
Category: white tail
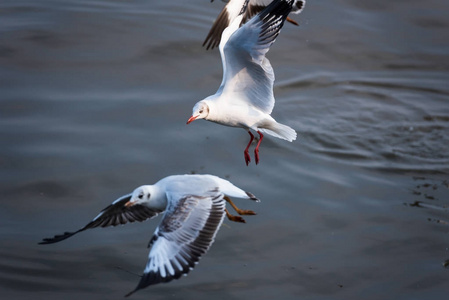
[280,131]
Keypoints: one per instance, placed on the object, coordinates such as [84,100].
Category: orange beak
[292,21]
[129,204]
[192,118]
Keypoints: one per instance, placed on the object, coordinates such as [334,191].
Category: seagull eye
[140,196]
[201,111]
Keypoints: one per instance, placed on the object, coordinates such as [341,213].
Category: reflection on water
[94,100]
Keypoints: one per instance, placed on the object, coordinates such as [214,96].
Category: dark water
[94,99]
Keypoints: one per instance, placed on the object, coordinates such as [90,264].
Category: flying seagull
[194,209]
[245,97]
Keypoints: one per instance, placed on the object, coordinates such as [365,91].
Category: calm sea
[94,97]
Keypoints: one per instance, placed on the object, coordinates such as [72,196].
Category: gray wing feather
[186,232]
[115,214]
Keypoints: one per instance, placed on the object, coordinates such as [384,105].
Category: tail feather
[280,131]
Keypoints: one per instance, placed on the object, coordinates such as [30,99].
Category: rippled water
[94,96]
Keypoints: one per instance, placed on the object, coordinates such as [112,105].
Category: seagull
[233,8]
[194,209]
[245,97]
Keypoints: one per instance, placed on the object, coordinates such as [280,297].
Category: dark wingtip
[252,197]
[211,44]
[130,293]
[57,238]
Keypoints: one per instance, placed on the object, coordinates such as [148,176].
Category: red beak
[192,118]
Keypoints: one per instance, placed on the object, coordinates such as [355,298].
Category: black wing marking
[213,37]
[115,214]
[223,20]
[251,11]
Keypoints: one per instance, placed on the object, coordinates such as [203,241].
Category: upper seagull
[233,8]
[194,208]
[245,97]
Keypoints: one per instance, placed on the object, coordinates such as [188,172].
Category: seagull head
[199,111]
[140,195]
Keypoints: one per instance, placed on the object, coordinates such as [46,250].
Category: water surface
[94,96]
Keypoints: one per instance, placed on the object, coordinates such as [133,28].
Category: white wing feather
[185,233]
[247,73]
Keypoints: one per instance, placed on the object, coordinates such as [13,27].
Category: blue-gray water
[94,96]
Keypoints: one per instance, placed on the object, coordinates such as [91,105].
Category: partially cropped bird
[194,208]
[233,8]
[245,97]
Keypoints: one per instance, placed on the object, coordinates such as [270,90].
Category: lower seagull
[194,205]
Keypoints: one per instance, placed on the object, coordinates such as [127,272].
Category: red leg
[247,157]
[256,151]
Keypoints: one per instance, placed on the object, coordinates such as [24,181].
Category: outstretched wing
[254,7]
[115,214]
[186,232]
[247,73]
[231,10]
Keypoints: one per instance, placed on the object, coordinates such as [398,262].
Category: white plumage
[194,205]
[245,97]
